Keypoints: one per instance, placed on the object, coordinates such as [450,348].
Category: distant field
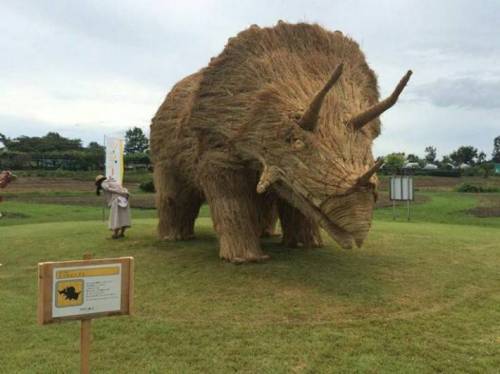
[426,183]
[45,198]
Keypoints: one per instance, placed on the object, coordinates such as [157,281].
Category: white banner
[114,159]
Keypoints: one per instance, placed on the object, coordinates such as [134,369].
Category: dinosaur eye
[298,144]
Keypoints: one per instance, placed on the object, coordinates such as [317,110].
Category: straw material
[231,134]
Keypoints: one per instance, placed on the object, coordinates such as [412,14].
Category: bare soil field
[489,206]
[42,184]
[427,183]
[68,191]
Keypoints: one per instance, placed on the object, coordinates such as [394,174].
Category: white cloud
[107,65]
[113,103]
[462,92]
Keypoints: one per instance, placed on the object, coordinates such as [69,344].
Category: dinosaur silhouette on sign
[70,293]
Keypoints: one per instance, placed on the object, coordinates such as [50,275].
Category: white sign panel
[401,188]
[114,158]
[86,290]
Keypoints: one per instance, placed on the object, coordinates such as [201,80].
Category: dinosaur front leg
[233,208]
[297,229]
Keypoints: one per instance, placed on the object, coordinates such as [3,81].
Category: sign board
[85,289]
[114,158]
[401,188]
[497,168]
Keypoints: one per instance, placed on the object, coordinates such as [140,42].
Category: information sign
[84,289]
[401,187]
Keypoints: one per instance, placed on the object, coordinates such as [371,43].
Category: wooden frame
[46,284]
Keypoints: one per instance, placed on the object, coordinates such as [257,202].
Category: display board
[84,289]
[401,188]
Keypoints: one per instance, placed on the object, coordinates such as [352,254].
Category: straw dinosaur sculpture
[281,123]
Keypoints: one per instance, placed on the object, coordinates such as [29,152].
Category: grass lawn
[445,207]
[418,297]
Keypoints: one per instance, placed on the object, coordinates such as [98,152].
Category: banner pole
[104,202]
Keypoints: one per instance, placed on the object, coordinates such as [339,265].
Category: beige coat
[117,198]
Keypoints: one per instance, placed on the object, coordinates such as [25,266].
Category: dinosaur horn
[310,118]
[365,178]
[269,175]
[370,114]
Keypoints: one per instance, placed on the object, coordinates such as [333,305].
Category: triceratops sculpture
[284,116]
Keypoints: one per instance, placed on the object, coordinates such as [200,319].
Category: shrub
[147,186]
[467,187]
[455,173]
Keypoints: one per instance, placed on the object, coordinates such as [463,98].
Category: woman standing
[6,177]
[117,198]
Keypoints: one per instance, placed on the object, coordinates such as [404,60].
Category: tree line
[54,151]
[468,159]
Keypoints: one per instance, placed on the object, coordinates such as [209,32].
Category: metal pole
[104,202]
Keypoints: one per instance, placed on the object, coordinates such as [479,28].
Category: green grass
[20,213]
[418,298]
[25,213]
[443,207]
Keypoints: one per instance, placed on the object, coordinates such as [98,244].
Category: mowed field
[420,297]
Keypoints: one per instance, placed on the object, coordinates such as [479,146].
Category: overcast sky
[89,68]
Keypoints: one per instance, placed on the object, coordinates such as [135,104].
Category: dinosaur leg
[268,215]
[297,229]
[177,203]
[233,206]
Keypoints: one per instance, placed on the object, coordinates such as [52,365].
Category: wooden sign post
[83,290]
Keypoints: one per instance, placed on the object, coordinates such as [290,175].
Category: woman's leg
[116,233]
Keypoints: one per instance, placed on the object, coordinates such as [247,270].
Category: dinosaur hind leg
[178,205]
[297,229]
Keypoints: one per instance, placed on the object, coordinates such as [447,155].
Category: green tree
[481,158]
[52,142]
[446,162]
[95,147]
[2,139]
[412,158]
[394,161]
[430,154]
[496,149]
[136,141]
[464,155]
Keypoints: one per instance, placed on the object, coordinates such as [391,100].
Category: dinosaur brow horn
[365,178]
[310,118]
[370,114]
